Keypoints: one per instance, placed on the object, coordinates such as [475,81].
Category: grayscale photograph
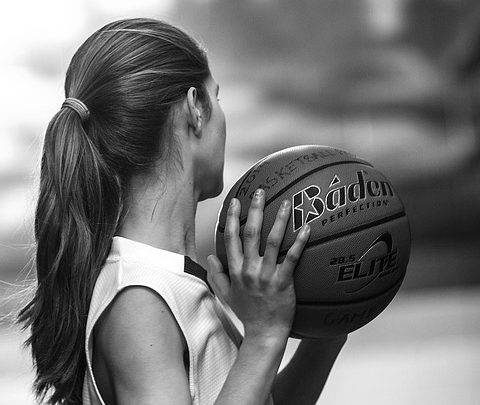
[223,202]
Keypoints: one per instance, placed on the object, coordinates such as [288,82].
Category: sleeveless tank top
[211,336]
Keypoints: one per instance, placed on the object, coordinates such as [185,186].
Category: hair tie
[77,106]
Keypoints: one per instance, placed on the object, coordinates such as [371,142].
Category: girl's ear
[195,119]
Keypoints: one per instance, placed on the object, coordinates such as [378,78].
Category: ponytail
[129,74]
[76,218]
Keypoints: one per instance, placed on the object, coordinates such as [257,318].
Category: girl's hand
[260,291]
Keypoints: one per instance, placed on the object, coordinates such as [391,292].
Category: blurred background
[396,82]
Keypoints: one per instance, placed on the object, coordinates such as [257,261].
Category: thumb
[218,278]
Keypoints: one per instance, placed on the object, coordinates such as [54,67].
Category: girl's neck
[162,215]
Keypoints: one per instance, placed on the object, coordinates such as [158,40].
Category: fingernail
[306,229]
[259,193]
[232,202]
[285,204]
[211,260]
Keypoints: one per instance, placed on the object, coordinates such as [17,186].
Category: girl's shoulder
[135,334]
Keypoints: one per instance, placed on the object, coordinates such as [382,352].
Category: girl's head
[132,75]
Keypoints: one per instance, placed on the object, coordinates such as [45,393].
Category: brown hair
[129,74]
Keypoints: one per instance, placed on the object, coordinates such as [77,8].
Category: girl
[122,312]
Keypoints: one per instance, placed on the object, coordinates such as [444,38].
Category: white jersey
[211,337]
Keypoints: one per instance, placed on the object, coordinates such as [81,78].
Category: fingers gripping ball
[359,246]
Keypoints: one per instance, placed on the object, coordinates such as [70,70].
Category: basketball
[355,260]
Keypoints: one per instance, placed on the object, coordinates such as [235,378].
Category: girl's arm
[303,379]
[143,346]
[262,283]
[262,295]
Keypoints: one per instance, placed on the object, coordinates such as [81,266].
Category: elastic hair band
[77,106]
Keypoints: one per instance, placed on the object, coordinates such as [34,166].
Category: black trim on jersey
[194,269]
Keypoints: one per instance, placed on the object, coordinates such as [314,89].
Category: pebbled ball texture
[359,246]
